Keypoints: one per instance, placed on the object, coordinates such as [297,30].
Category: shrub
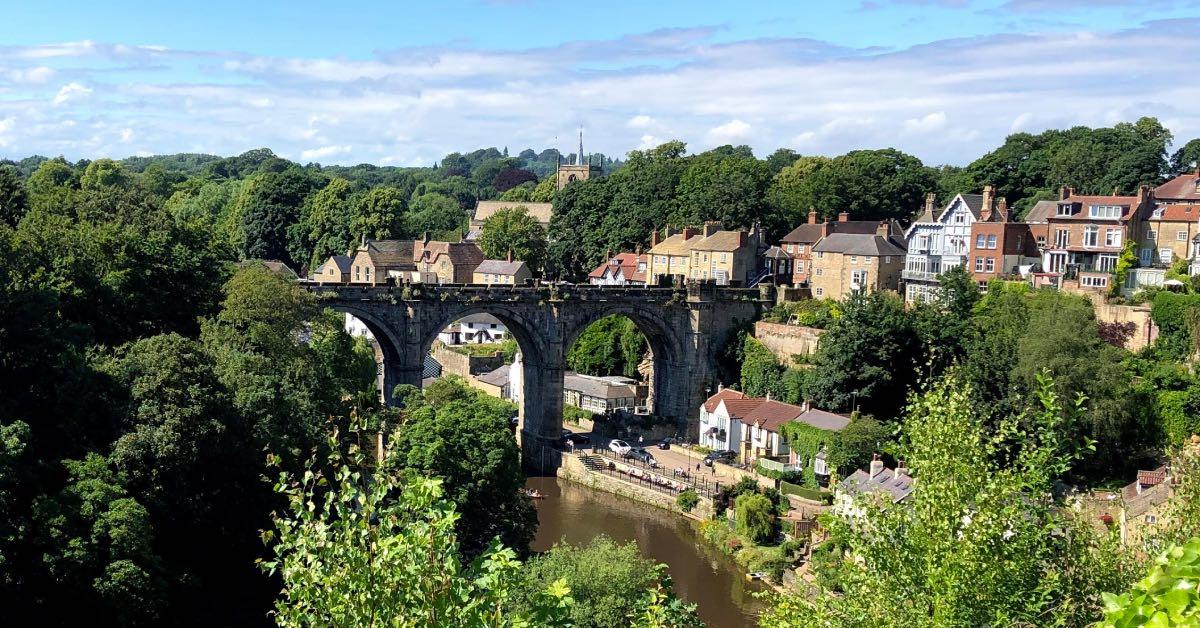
[756,520]
[687,500]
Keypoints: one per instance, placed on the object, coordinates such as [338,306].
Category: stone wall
[463,365]
[786,341]
[1145,331]
[572,469]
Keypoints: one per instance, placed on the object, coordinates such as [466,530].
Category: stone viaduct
[686,326]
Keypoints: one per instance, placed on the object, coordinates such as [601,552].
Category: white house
[939,241]
[890,485]
[474,329]
[621,270]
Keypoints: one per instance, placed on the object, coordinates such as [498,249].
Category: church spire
[579,158]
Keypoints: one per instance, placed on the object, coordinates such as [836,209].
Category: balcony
[918,275]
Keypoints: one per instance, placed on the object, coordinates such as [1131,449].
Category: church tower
[578,171]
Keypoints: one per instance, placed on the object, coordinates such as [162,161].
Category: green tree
[513,230]
[727,185]
[13,200]
[1186,158]
[325,224]
[268,205]
[610,582]
[52,184]
[981,539]
[357,548]
[102,174]
[379,215]
[761,372]
[756,520]
[482,477]
[612,345]
[1166,597]
[438,215]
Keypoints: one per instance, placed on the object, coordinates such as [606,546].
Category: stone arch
[667,350]
[395,365]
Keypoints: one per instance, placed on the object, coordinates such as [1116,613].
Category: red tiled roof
[739,408]
[1152,478]
[1177,212]
[627,262]
[1184,187]
[1127,203]
[770,414]
[711,403]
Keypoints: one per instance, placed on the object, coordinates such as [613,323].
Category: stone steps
[593,462]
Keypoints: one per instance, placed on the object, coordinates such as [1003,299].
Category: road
[668,459]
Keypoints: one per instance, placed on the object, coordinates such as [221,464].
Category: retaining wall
[786,341]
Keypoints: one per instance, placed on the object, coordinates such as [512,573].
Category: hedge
[806,493]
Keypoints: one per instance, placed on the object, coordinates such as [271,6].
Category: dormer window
[1064,209]
[1104,211]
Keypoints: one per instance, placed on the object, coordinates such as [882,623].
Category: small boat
[756,575]
[532,493]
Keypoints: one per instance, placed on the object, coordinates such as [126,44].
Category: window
[991,265]
[1151,519]
[1094,281]
[357,276]
[800,248]
[820,272]
[1104,211]
[853,259]
[923,242]
[991,241]
[858,278]
[724,257]
[1165,255]
[799,267]
[959,218]
[1112,237]
[1106,263]
[819,291]
[1064,209]
[1150,234]
[820,254]
[980,241]
[1041,241]
[979,264]
[887,259]
[367,273]
[1181,236]
[1062,238]
[1147,255]
[1091,234]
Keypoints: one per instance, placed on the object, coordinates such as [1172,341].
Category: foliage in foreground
[981,540]
[1168,596]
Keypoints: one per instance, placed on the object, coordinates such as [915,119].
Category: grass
[485,348]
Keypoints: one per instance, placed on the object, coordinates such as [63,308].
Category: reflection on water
[701,573]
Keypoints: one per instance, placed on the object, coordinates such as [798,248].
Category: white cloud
[324,151]
[732,131]
[928,123]
[1021,122]
[71,91]
[640,121]
[5,125]
[649,141]
[126,134]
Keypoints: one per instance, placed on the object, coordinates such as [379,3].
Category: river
[702,574]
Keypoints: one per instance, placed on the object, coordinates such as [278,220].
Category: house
[445,262]
[1086,235]
[501,272]
[724,257]
[1142,501]
[599,394]
[1173,231]
[624,269]
[1184,188]
[375,262]
[1000,247]
[494,383]
[540,212]
[892,486]
[799,242]
[474,329]
[939,240]
[336,269]
[844,263]
[753,426]
[672,256]
[778,266]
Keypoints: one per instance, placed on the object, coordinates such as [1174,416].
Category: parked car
[667,442]
[641,455]
[578,439]
[619,447]
[723,455]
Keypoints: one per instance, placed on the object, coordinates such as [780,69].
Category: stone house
[501,272]
[1086,235]
[599,394]
[336,269]
[999,246]
[799,242]
[893,486]
[939,240]
[540,212]
[1173,232]
[753,426]
[623,269]
[844,263]
[724,257]
[672,256]
[375,262]
[445,262]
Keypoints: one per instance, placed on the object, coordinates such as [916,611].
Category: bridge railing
[658,478]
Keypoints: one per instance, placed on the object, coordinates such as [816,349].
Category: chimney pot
[689,233]
[876,466]
[812,216]
[654,238]
[930,202]
[843,217]
[884,229]
[711,227]
[989,193]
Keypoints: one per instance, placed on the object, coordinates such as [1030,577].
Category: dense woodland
[151,376]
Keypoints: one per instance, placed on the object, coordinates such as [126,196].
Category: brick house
[999,246]
[847,262]
[623,269]
[1086,235]
[799,242]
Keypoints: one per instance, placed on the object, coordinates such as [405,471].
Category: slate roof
[774,252]
[540,212]
[341,261]
[1040,211]
[771,415]
[810,233]
[722,241]
[1126,203]
[710,404]
[1185,187]
[860,244]
[499,267]
[390,253]
[897,486]
[498,377]
[597,387]
[824,420]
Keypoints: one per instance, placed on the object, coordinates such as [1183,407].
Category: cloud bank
[946,101]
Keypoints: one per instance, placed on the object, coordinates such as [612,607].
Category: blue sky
[404,83]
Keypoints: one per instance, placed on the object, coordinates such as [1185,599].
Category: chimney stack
[1063,192]
[654,238]
[876,466]
[807,405]
[901,470]
[812,216]
[989,193]
[1143,194]
[884,229]
[425,238]
[711,227]
[688,233]
[930,202]
[510,255]
[843,217]
[1002,208]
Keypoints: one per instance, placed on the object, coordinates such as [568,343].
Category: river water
[701,574]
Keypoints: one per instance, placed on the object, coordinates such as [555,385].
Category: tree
[867,184]
[436,214]
[756,520]
[1166,597]
[379,215]
[482,477]
[13,200]
[102,174]
[762,374]
[513,230]
[326,223]
[52,184]
[358,548]
[609,582]
[268,205]
[727,185]
[1186,158]
[512,177]
[612,345]
[866,357]
[981,540]
[946,325]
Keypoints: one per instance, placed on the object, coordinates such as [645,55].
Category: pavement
[668,459]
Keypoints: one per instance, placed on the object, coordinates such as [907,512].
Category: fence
[654,477]
[775,465]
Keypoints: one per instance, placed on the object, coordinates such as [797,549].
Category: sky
[404,83]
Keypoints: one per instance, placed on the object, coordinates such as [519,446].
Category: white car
[620,447]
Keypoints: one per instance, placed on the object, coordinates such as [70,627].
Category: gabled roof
[481,318]
[597,387]
[389,253]
[727,241]
[341,262]
[464,254]
[1176,212]
[675,245]
[860,244]
[770,415]
[822,419]
[710,404]
[1185,187]
[627,262]
[774,252]
[498,377]
[1127,204]
[810,233]
[540,212]
[897,486]
[973,203]
[500,267]
[1040,211]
